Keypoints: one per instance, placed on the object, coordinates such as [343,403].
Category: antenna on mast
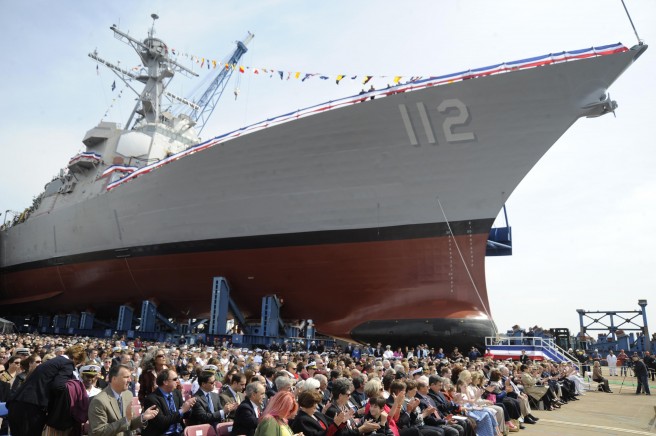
[152,29]
[631,21]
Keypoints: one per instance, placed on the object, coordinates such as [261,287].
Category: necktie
[174,428]
[120,405]
[209,403]
[169,401]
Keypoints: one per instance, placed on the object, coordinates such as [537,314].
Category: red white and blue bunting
[413,85]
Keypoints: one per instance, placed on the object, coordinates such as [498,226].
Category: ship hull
[357,284]
[369,214]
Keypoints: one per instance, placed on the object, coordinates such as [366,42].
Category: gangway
[536,347]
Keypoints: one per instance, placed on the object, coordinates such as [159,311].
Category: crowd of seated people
[160,388]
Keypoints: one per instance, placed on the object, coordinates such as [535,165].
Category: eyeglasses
[173,379]
[160,355]
[37,361]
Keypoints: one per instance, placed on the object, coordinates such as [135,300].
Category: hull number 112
[453,113]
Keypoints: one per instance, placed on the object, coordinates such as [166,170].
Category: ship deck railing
[536,347]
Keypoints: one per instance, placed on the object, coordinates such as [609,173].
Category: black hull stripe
[394,233]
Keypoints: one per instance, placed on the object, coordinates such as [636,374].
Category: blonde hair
[372,388]
[464,375]
[477,377]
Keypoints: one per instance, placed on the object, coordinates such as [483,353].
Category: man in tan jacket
[111,412]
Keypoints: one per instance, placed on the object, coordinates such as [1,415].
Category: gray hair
[283,383]
[321,378]
[251,389]
[309,385]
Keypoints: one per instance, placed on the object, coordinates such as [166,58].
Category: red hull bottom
[356,289]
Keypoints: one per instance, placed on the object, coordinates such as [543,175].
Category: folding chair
[199,430]
[223,429]
[186,391]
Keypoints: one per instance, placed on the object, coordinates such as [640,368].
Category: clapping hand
[369,426]
[150,413]
[229,407]
[326,407]
[340,418]
[187,405]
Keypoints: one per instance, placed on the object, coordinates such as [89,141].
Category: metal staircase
[535,346]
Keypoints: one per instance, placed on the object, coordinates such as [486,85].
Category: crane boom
[208,101]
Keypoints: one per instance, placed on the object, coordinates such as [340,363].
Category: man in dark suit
[208,408]
[28,405]
[233,394]
[434,417]
[109,417]
[444,406]
[270,386]
[641,372]
[249,411]
[171,409]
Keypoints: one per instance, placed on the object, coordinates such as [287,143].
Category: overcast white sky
[582,219]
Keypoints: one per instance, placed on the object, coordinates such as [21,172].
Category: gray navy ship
[370,215]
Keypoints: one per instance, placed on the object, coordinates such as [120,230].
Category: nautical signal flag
[366,79]
[114,85]
[340,77]
[241,69]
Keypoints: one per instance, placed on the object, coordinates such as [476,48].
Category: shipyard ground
[598,413]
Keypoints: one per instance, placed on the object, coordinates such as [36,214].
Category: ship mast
[154,56]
